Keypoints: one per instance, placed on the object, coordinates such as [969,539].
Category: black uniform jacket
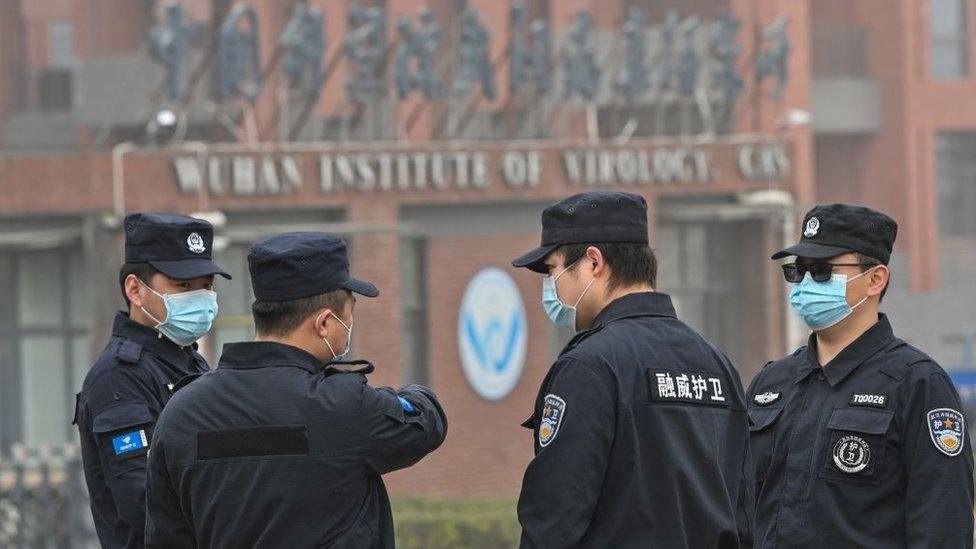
[273,449]
[116,412]
[641,439]
[868,451]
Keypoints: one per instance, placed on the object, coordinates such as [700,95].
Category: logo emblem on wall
[492,334]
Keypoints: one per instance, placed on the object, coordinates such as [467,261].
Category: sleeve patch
[406,405]
[683,387]
[947,428]
[553,410]
[130,442]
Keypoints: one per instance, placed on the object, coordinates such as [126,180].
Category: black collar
[151,340]
[855,354]
[639,304]
[264,354]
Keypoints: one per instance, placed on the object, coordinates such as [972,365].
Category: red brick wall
[486,450]
[375,256]
[49,185]
[12,44]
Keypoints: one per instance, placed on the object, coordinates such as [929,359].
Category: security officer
[284,443]
[641,432]
[167,285]
[859,437]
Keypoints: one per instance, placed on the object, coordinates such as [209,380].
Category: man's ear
[134,291]
[878,279]
[596,260]
[319,322]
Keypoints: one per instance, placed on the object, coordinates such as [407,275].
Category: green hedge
[469,524]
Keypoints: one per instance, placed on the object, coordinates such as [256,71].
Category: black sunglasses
[819,272]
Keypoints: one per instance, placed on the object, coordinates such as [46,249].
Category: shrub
[450,524]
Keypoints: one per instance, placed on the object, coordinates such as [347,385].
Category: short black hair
[630,263]
[867,263]
[281,318]
[143,271]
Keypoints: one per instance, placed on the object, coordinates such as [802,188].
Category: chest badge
[553,410]
[867,399]
[852,454]
[767,398]
[947,429]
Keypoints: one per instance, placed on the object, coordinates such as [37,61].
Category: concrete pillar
[375,256]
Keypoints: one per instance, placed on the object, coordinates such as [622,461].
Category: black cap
[177,245]
[834,229]
[589,218]
[296,265]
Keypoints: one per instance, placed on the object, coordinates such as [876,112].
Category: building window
[8,356]
[949,41]
[234,297]
[413,276]
[696,266]
[955,174]
[61,44]
[45,352]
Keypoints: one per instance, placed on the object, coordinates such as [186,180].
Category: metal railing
[43,499]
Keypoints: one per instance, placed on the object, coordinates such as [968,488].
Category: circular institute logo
[492,334]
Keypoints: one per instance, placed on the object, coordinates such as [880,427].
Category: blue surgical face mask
[562,315]
[189,315]
[823,304]
[345,351]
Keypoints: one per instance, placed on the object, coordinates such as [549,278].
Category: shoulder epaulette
[578,338]
[129,352]
[184,381]
[351,367]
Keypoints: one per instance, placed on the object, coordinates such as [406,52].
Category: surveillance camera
[166,118]
[798,117]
